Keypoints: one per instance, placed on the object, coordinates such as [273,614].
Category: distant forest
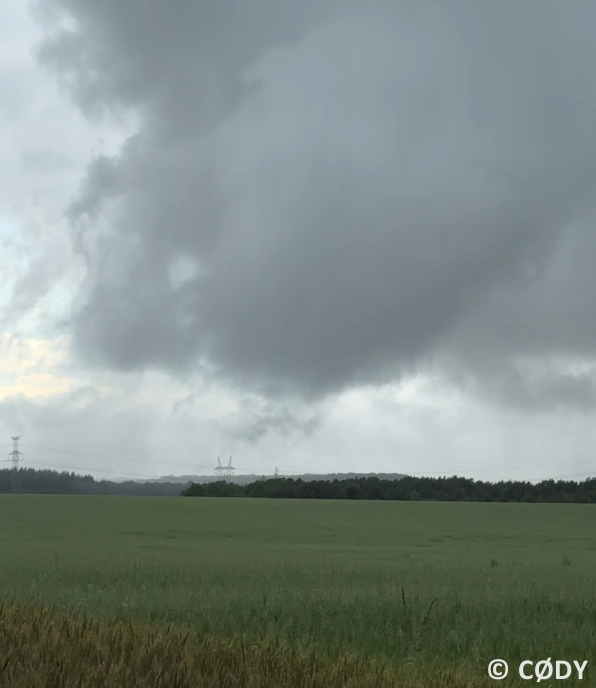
[32,481]
[454,489]
[407,488]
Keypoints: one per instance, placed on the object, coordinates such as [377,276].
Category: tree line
[444,489]
[33,481]
[453,489]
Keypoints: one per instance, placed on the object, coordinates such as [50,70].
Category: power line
[109,456]
[78,453]
[500,469]
[564,477]
[138,475]
[94,470]
[123,458]
[89,468]
[259,470]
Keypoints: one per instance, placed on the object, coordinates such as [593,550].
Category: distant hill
[246,479]
[36,481]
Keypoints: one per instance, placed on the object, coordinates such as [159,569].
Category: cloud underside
[327,195]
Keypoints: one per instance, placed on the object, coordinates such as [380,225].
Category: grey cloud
[184,62]
[542,390]
[546,315]
[361,187]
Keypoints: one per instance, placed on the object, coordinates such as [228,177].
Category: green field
[424,584]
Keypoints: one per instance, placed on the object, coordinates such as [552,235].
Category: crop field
[305,593]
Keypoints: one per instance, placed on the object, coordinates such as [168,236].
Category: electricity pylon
[15,456]
[219,469]
[224,472]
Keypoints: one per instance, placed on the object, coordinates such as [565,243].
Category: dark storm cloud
[326,193]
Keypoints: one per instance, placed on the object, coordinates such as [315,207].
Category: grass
[43,648]
[426,588]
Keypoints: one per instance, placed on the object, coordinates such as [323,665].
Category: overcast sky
[326,236]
